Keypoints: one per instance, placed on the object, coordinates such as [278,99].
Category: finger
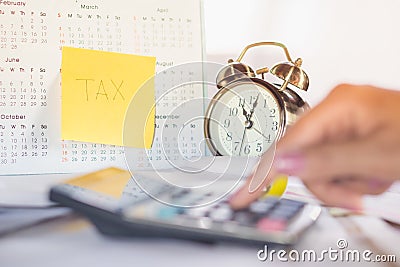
[364,185]
[260,178]
[323,123]
[347,192]
[257,182]
[355,158]
[336,195]
[243,197]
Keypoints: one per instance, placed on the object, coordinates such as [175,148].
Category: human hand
[347,146]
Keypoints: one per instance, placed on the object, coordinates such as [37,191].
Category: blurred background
[339,40]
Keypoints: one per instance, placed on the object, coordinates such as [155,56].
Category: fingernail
[375,183]
[354,208]
[289,163]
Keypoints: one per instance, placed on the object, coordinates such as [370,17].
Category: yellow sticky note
[110,181]
[97,89]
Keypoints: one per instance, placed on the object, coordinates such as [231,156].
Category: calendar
[32,34]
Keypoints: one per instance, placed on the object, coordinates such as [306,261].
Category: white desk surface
[72,241]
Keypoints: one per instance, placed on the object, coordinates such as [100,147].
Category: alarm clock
[249,114]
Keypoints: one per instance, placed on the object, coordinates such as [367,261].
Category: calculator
[159,210]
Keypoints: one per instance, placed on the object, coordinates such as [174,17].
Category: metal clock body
[248,114]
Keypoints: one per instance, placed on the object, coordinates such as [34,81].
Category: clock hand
[258,131]
[256,102]
[244,112]
[241,143]
[254,107]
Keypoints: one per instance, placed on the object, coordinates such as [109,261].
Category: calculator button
[179,193]
[290,208]
[197,212]
[283,214]
[271,225]
[291,203]
[222,213]
[168,212]
[261,207]
[245,217]
[271,200]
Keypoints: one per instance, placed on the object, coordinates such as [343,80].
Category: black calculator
[182,212]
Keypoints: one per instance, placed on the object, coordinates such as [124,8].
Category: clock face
[243,120]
